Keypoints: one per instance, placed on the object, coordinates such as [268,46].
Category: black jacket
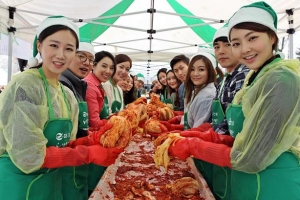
[78,87]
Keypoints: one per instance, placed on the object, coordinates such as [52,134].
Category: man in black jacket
[75,179]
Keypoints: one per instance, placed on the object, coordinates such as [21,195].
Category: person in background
[200,89]
[129,96]
[263,117]
[179,65]
[154,80]
[136,84]
[39,121]
[74,185]
[97,100]
[217,176]
[140,83]
[230,85]
[98,108]
[123,84]
[162,79]
[158,88]
[173,84]
[113,91]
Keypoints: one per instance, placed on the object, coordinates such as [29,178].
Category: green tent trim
[205,32]
[93,31]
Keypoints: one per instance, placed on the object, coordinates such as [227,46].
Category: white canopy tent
[150,32]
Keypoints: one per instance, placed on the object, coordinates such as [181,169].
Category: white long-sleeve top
[109,91]
[199,110]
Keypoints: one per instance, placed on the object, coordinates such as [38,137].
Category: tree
[298,54]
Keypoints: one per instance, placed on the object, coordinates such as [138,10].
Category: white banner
[21,48]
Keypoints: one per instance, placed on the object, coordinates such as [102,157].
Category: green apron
[235,119]
[44,183]
[185,115]
[203,167]
[75,178]
[217,111]
[221,176]
[96,171]
[277,181]
[104,114]
[116,105]
[165,99]
[185,121]
[83,115]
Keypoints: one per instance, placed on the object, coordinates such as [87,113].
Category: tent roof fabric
[149,32]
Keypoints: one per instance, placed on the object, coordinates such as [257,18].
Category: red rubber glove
[172,127]
[80,155]
[203,127]
[92,139]
[210,136]
[104,121]
[176,113]
[175,120]
[217,154]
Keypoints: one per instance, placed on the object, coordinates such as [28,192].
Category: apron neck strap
[114,89]
[222,85]
[51,113]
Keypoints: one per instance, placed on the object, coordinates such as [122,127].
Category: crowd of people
[241,127]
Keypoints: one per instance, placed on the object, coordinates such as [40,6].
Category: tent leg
[11,30]
[291,31]
[10,49]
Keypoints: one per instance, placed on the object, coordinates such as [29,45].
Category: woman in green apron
[38,118]
[113,91]
[162,79]
[264,115]
[74,185]
[98,108]
[32,104]
[130,94]
[200,91]
[173,84]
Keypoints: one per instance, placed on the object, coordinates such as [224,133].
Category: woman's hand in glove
[210,136]
[92,139]
[180,149]
[70,157]
[175,120]
[172,127]
[103,156]
[178,113]
[217,154]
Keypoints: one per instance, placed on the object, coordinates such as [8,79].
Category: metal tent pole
[10,30]
[291,31]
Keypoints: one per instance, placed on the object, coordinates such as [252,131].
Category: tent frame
[11,29]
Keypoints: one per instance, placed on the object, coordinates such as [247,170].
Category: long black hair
[129,96]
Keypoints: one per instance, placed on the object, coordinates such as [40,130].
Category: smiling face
[123,84]
[130,84]
[79,68]
[199,73]
[172,81]
[162,78]
[122,71]
[224,55]
[57,51]
[251,48]
[158,85]
[104,69]
[180,69]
